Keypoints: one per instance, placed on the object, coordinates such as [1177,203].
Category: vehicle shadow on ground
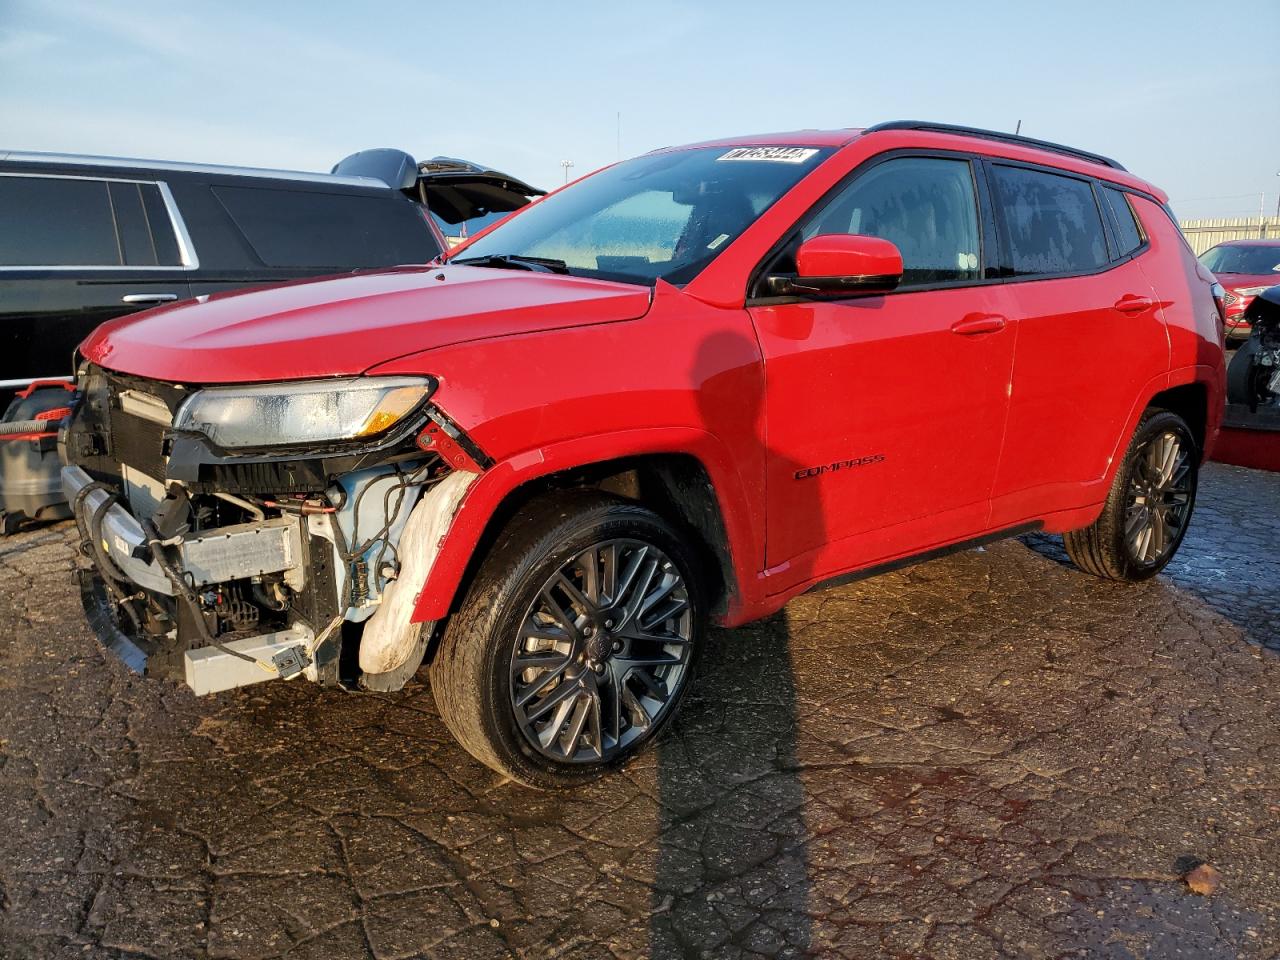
[1233,565]
[732,869]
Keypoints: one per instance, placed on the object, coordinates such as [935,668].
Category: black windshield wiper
[511,261]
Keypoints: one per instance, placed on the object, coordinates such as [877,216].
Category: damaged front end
[240,534]
[1253,376]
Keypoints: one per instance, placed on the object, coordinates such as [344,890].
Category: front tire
[1149,506]
[575,644]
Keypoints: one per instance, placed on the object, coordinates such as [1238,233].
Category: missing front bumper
[215,556]
[129,572]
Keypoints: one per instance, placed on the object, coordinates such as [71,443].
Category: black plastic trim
[97,610]
[867,572]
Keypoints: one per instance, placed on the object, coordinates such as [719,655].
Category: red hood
[1233,281]
[345,325]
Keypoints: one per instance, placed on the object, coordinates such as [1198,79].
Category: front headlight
[1253,291]
[294,414]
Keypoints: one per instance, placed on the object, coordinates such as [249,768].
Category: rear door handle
[1131,303]
[975,323]
[148,297]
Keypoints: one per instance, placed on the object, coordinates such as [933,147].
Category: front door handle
[148,297]
[1132,303]
[972,324]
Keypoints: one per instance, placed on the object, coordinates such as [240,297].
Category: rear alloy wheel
[1149,507]
[575,644]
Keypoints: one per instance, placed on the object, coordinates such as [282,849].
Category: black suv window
[925,205]
[1128,236]
[56,222]
[1053,222]
[143,225]
[297,228]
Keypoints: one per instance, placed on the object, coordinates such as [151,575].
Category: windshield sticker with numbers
[772,154]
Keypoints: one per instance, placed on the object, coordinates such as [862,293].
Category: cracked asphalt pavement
[987,755]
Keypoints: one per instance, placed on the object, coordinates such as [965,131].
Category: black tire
[1239,370]
[474,676]
[1103,548]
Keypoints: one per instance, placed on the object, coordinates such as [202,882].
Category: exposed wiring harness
[352,556]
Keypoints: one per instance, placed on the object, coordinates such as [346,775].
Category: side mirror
[834,264]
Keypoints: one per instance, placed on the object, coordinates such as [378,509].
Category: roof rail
[129,163]
[995,135]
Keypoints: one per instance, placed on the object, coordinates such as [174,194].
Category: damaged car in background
[1253,376]
[671,393]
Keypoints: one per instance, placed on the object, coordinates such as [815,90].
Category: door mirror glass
[835,264]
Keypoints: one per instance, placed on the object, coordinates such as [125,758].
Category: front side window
[56,222]
[1053,222]
[926,206]
[661,216]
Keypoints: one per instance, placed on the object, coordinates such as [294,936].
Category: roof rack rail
[995,135]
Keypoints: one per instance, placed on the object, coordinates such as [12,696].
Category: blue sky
[1185,94]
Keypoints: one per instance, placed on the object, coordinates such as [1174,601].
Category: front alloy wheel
[601,652]
[576,642]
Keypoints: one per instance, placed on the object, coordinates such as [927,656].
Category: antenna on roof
[1018,129]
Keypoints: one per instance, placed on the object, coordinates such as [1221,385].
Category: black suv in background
[87,239]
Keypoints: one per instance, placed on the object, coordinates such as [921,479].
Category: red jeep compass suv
[692,385]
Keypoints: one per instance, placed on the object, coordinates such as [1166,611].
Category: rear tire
[576,641]
[1149,506]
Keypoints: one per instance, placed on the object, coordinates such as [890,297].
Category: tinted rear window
[295,228]
[1053,222]
[1128,236]
[56,222]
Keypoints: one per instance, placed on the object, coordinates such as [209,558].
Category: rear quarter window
[297,228]
[1053,225]
[1128,234]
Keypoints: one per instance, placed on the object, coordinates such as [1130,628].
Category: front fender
[492,487]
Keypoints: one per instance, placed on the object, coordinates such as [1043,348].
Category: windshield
[659,216]
[1226,259]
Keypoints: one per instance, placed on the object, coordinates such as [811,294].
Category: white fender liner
[390,635]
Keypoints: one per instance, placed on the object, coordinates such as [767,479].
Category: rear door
[1090,337]
[76,251]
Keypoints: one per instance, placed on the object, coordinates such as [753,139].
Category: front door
[885,413]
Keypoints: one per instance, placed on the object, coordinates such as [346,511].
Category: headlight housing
[301,413]
[1253,291]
